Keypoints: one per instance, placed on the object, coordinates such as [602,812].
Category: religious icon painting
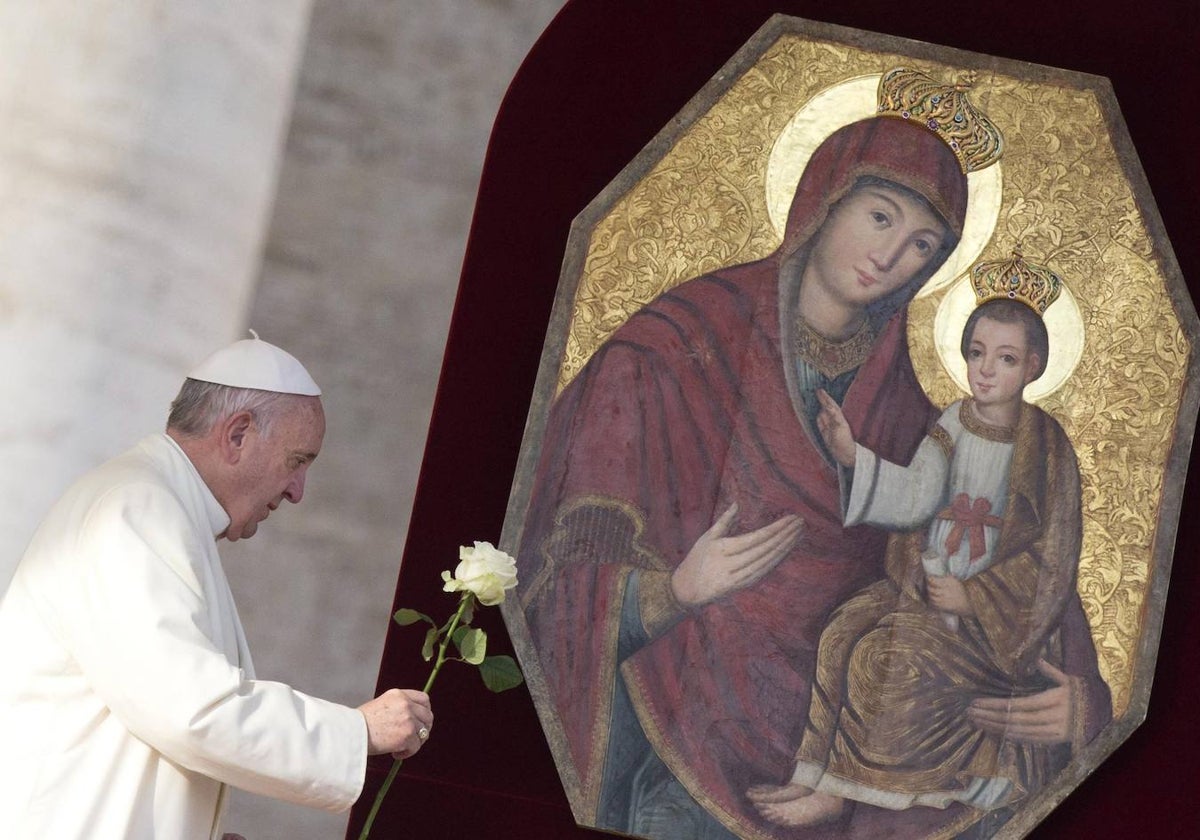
[848,497]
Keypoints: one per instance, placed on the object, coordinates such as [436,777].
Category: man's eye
[923,246]
[879,217]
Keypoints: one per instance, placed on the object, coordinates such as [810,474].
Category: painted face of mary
[879,207]
[875,241]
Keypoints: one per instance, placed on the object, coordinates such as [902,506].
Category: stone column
[394,105]
[139,145]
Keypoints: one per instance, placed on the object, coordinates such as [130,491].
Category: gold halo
[840,105]
[1064,323]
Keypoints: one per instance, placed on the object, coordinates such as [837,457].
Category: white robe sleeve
[142,632]
[892,496]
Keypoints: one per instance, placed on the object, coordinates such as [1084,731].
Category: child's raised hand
[834,429]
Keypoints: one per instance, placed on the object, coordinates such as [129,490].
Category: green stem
[387,783]
[437,666]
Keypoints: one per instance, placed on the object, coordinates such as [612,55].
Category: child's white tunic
[966,457]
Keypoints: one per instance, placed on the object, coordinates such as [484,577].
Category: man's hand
[948,594]
[718,564]
[835,431]
[395,720]
[1043,718]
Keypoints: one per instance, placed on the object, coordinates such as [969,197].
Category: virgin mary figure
[683,547]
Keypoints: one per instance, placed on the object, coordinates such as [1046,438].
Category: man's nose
[295,489]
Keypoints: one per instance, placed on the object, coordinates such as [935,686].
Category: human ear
[233,435]
[1032,365]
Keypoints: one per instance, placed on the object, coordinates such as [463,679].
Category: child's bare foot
[764,794]
[812,809]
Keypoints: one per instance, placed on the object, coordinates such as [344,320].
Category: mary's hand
[719,564]
[1043,718]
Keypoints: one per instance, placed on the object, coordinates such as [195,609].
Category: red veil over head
[884,147]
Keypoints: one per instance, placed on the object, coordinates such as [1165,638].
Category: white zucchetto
[254,363]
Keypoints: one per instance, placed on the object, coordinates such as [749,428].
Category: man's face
[273,468]
[875,240]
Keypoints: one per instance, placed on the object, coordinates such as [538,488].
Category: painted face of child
[999,363]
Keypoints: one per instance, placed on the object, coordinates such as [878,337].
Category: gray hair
[200,406]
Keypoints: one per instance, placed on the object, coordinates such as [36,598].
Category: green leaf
[472,645]
[500,673]
[431,639]
[405,617]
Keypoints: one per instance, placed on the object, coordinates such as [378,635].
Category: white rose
[485,571]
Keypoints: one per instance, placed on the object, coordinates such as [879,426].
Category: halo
[840,105]
[1064,323]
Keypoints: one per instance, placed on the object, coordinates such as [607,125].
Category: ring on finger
[423,734]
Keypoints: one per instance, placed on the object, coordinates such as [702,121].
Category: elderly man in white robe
[128,700]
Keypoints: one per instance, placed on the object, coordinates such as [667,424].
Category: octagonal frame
[1159,254]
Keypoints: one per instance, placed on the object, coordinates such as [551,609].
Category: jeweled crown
[1014,279]
[944,110]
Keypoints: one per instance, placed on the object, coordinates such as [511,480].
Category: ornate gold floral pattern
[1065,198]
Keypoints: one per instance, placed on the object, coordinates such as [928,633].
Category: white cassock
[127,696]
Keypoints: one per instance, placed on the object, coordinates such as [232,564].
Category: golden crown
[1014,279]
[944,110]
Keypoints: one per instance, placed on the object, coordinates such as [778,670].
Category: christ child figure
[988,525]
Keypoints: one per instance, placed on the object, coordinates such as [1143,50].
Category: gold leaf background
[1067,203]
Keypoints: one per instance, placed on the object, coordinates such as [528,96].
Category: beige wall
[137,162]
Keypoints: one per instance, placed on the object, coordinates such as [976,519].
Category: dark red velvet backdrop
[602,80]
